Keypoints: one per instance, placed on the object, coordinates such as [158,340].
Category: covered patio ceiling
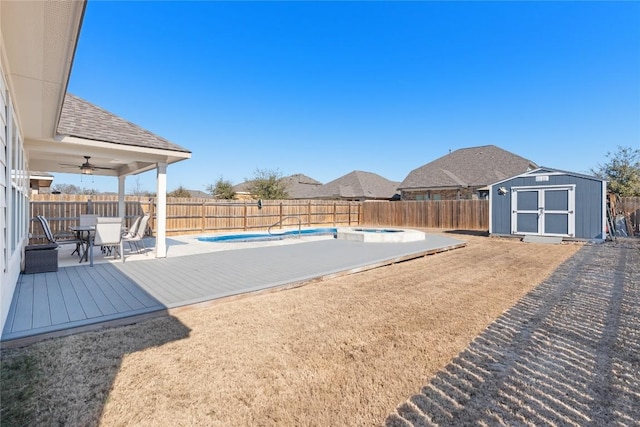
[67,156]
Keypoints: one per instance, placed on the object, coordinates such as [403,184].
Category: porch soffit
[39,41]
[66,154]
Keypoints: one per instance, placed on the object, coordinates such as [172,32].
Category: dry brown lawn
[345,351]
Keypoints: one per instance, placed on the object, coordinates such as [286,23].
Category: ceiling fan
[86,168]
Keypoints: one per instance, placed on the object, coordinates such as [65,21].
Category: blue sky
[325,88]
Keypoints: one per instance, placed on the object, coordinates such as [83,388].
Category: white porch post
[161,211]
[121,208]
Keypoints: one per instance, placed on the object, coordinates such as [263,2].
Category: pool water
[256,237]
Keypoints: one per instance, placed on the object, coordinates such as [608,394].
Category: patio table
[83,232]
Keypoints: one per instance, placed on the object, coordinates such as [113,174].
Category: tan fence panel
[193,216]
[63,211]
[445,214]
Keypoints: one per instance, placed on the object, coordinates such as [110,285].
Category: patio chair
[109,234]
[137,235]
[59,239]
[88,220]
[131,232]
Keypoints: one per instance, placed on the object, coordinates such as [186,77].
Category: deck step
[551,240]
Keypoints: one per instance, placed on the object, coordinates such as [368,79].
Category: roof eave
[38,70]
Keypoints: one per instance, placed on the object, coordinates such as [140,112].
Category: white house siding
[14,201]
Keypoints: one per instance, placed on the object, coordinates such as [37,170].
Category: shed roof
[543,170]
[358,185]
[82,119]
[468,167]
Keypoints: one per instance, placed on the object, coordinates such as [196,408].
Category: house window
[18,181]
[435,196]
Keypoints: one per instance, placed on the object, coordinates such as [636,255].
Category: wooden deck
[81,295]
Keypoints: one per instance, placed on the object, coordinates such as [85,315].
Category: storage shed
[549,202]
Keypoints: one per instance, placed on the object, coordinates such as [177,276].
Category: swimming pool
[257,237]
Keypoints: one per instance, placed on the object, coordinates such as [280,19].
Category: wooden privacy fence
[192,216]
[446,214]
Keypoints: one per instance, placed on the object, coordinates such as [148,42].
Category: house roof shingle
[468,167]
[82,119]
[358,185]
[298,186]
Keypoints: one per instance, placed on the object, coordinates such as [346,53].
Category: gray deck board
[101,300]
[105,278]
[56,299]
[74,308]
[106,286]
[41,311]
[142,298]
[89,306]
[23,318]
[83,295]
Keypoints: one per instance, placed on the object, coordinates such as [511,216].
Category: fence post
[309,214]
[349,213]
[151,215]
[280,214]
[245,219]
[334,214]
[89,206]
[203,216]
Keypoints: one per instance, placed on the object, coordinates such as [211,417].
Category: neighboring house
[44,129]
[40,182]
[298,186]
[242,191]
[358,185]
[463,174]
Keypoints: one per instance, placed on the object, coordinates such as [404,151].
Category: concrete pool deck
[79,297]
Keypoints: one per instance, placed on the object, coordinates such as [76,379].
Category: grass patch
[19,376]
[344,351]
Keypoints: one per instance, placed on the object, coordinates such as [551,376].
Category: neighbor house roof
[298,186]
[198,194]
[357,185]
[82,119]
[468,167]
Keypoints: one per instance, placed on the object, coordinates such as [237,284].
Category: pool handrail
[286,217]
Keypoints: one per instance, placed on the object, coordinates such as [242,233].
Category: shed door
[547,211]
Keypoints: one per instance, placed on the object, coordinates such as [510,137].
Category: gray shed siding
[588,203]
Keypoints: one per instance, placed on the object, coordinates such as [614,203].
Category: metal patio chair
[59,239]
[137,235]
[109,234]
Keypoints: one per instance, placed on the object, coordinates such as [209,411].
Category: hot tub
[388,235]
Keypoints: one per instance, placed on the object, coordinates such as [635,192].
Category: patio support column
[121,208]
[161,211]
